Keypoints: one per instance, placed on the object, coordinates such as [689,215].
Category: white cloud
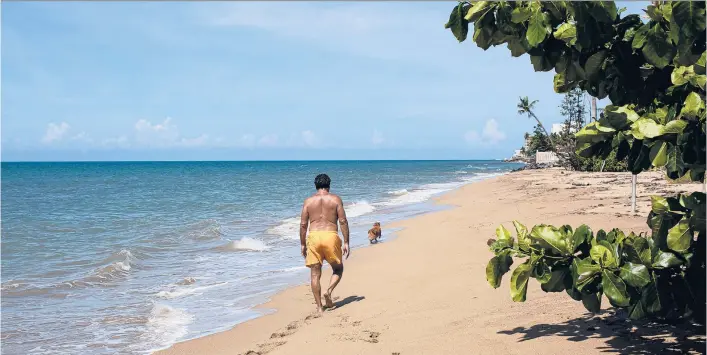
[268,140]
[309,138]
[165,134]
[377,138]
[161,134]
[195,142]
[247,140]
[82,137]
[55,132]
[490,135]
[121,141]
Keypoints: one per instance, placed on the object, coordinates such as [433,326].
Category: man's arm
[344,224]
[303,224]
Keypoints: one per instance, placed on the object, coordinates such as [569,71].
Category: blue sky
[257,81]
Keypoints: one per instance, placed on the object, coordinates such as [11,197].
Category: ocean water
[126,258]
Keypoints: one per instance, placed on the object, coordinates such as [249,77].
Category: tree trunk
[552,142]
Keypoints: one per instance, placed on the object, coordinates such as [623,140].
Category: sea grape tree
[654,74]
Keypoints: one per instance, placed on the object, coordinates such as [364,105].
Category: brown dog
[375,233]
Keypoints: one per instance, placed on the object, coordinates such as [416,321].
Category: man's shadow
[350,299]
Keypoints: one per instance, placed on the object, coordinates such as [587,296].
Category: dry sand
[426,291]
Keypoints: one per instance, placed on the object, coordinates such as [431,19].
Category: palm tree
[525,107]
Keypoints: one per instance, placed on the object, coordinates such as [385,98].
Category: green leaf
[675,127]
[659,204]
[515,45]
[689,16]
[638,157]
[665,260]
[566,32]
[693,105]
[646,128]
[593,65]
[559,84]
[603,254]
[638,251]
[592,302]
[541,272]
[699,81]
[519,281]
[659,154]
[614,288]
[635,275]
[657,49]
[692,201]
[538,28]
[697,219]
[483,36]
[604,11]
[639,39]
[637,310]
[623,149]
[581,234]
[672,166]
[497,267]
[654,13]
[503,234]
[476,10]
[520,14]
[680,236]
[556,282]
[700,65]
[682,75]
[619,117]
[586,272]
[650,298]
[550,238]
[574,293]
[457,23]
[541,63]
[523,240]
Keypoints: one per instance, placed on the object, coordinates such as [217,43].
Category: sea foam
[245,244]
[166,324]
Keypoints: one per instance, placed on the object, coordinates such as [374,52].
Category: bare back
[322,212]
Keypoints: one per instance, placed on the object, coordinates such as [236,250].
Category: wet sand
[426,293]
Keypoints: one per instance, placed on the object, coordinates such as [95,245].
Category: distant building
[517,154]
[545,158]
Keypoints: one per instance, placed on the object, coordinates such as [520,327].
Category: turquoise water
[128,257]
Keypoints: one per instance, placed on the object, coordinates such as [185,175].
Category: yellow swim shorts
[323,245]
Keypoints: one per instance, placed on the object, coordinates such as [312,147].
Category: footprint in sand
[268,347]
[293,326]
[372,337]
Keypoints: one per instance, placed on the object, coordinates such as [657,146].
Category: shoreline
[395,228]
[404,311]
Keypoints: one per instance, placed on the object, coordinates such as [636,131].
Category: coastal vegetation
[654,74]
[563,143]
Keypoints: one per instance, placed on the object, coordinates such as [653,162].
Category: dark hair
[322,181]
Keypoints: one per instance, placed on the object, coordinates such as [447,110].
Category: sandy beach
[425,292]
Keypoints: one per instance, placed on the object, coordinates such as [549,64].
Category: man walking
[320,214]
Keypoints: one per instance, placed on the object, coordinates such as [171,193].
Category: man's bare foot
[327,301]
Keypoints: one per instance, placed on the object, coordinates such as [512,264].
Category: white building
[545,158]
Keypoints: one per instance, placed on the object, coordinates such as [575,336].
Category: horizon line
[241,161]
